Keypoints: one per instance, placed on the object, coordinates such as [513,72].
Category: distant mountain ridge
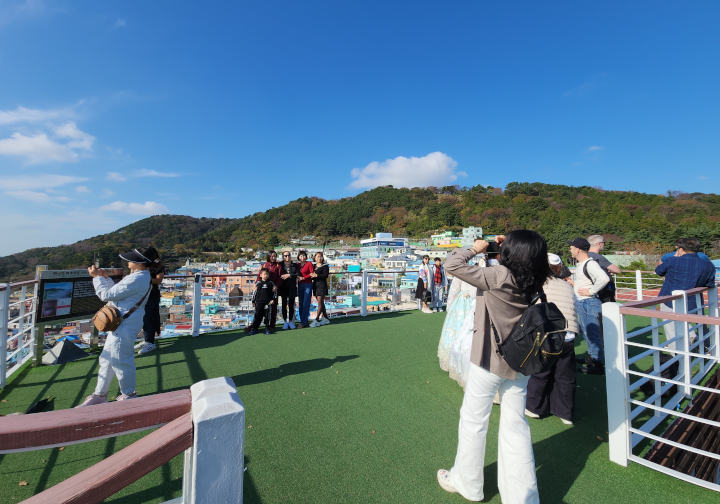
[558,212]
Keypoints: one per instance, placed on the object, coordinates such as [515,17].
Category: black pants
[151,320]
[261,312]
[552,392]
[288,305]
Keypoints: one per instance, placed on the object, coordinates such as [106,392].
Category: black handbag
[536,341]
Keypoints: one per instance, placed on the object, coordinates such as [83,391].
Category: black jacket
[264,293]
[289,285]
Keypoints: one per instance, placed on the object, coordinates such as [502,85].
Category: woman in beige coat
[503,294]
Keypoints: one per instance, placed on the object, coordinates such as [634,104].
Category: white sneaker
[125,397]
[325,321]
[443,477]
[92,399]
[530,414]
[291,325]
[427,310]
[140,345]
[285,326]
[149,347]
[567,422]
[314,323]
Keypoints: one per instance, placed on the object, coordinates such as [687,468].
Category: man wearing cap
[587,304]
[597,244]
[128,295]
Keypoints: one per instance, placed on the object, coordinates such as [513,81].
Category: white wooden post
[363,297]
[713,312]
[616,383]
[197,307]
[638,285]
[215,464]
[680,307]
[4,317]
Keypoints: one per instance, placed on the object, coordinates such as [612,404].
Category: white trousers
[117,359]
[517,482]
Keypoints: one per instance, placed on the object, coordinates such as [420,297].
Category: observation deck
[356,411]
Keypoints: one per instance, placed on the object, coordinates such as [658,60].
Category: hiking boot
[93,399]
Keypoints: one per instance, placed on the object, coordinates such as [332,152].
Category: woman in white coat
[117,357]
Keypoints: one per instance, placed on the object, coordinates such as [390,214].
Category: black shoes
[593,367]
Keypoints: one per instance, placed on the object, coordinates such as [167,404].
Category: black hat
[492,249]
[146,256]
[580,243]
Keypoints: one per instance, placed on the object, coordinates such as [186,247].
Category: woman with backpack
[504,293]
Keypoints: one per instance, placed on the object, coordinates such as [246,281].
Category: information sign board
[65,294]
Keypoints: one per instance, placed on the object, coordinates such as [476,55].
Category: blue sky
[112,111]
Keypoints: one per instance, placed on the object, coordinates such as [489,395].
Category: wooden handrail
[79,425]
[114,473]
[682,317]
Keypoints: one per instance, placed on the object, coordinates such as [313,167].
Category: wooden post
[616,383]
[638,285]
[363,299]
[216,458]
[197,307]
[4,317]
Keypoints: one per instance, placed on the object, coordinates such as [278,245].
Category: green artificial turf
[354,412]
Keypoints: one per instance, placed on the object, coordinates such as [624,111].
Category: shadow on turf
[290,368]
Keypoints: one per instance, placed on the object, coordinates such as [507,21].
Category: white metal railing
[17,326]
[646,392]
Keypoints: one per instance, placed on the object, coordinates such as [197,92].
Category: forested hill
[628,219]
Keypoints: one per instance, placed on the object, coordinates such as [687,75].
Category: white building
[381,245]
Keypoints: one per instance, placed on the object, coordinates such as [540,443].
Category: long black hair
[524,253]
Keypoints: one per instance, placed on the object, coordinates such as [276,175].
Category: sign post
[64,296]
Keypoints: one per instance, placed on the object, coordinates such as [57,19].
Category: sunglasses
[286,255]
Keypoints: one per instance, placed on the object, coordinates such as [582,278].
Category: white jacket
[125,294]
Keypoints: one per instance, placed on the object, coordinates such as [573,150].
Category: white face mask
[493,262]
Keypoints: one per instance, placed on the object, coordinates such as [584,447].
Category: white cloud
[38,181]
[28,115]
[82,189]
[147,208]
[50,141]
[33,196]
[106,193]
[595,148]
[434,169]
[36,149]
[153,173]
[115,176]
[123,177]
[77,139]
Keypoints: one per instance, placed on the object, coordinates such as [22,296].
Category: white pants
[516,466]
[117,359]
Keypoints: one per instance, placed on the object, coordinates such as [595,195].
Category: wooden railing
[206,422]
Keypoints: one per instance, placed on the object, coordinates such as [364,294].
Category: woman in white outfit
[503,294]
[117,357]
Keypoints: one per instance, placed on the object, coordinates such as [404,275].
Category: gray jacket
[498,297]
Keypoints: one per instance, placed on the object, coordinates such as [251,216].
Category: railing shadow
[288,369]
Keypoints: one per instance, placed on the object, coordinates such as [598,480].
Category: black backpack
[607,293]
[536,341]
